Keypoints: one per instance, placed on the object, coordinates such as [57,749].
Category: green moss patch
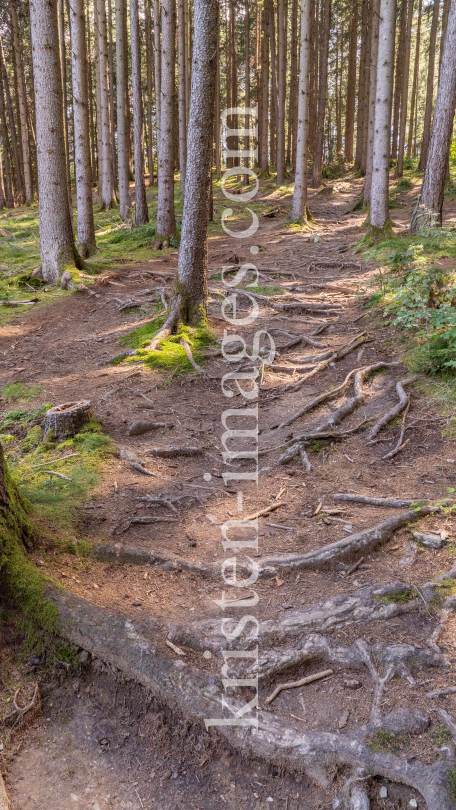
[20,392]
[171,355]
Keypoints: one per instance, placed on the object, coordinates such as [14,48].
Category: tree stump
[67,420]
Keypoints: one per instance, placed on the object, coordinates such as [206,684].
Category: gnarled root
[404,400]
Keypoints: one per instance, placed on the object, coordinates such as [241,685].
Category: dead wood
[317,676]
[57,474]
[138,466]
[388,502]
[271,508]
[24,709]
[354,567]
[404,400]
[173,452]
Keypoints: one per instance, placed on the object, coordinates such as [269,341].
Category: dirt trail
[376,618]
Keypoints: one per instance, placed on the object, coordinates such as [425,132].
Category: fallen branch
[317,676]
[271,508]
[24,709]
[404,400]
[354,567]
[173,647]
[173,452]
[388,502]
[57,474]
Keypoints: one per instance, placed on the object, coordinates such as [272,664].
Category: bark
[150,87]
[428,212]
[404,93]
[294,91]
[274,89]
[86,228]
[123,150]
[2,186]
[91,111]
[218,144]
[56,230]
[264,84]
[181,72]
[17,156]
[8,178]
[141,212]
[112,116]
[108,199]
[63,70]
[379,215]
[299,206]
[158,58]
[429,88]
[416,75]
[322,93]
[398,77]
[282,21]
[22,99]
[247,86]
[192,268]
[372,96]
[362,112]
[166,223]
[351,85]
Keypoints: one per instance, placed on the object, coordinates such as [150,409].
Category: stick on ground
[317,676]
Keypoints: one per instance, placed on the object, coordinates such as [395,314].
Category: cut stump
[66,420]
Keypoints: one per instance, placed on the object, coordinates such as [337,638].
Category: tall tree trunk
[56,230]
[123,148]
[416,76]
[181,81]
[322,94]
[150,88]
[362,81]
[299,207]
[247,86]
[218,144]
[166,222]
[405,90]
[351,85]
[22,99]
[282,20]
[429,87]
[8,177]
[398,79]
[17,155]
[264,80]
[428,212]
[61,13]
[293,98]
[112,115]
[91,111]
[108,198]
[141,212]
[379,197]
[2,185]
[191,300]
[274,88]
[86,228]
[372,99]
[158,63]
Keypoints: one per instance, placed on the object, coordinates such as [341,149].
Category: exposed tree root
[150,501]
[337,355]
[190,357]
[147,519]
[324,397]
[195,695]
[293,451]
[24,709]
[404,400]
[173,452]
[359,798]
[400,442]
[380,682]
[388,502]
[447,721]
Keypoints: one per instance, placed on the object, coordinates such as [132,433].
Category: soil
[100,743]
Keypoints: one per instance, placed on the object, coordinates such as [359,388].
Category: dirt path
[314,613]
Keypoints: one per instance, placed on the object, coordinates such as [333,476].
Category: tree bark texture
[429,87]
[299,206]
[141,212]
[322,94]
[22,99]
[123,155]
[166,223]
[351,85]
[105,165]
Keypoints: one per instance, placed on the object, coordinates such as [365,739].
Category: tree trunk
[56,230]
[191,299]
[299,207]
[351,85]
[150,87]
[264,80]
[2,185]
[123,149]
[91,111]
[181,73]
[63,70]
[218,144]
[294,92]
[428,212]
[166,222]
[416,76]
[282,20]
[372,97]
[17,156]
[322,94]
[112,116]
[379,202]
[362,81]
[108,199]
[399,77]
[247,86]
[86,228]
[8,178]
[22,99]
[141,212]
[405,90]
[157,75]
[429,87]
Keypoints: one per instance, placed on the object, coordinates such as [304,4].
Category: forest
[227,404]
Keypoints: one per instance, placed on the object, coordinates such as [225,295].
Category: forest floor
[102,742]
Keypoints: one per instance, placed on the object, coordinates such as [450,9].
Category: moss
[33,438]
[397,598]
[385,741]
[440,735]
[171,355]
[452,783]
[20,392]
